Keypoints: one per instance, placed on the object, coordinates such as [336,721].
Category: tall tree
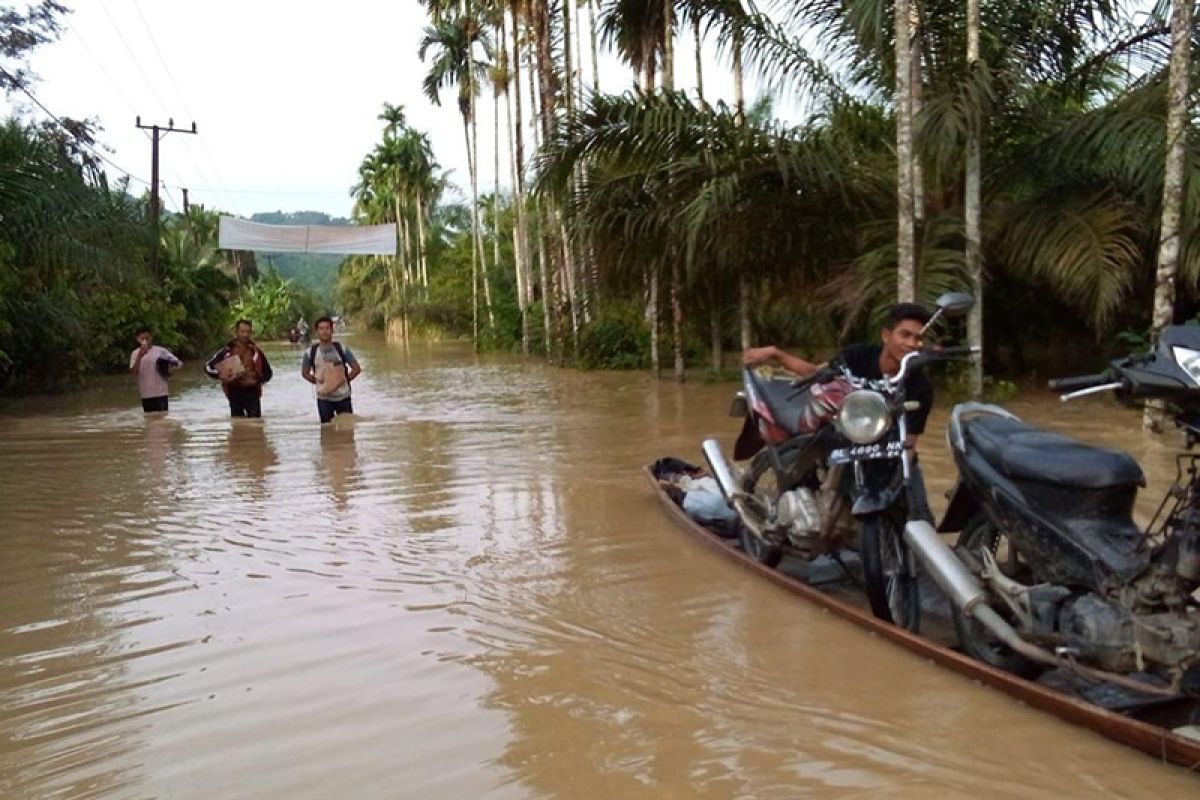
[453,43]
[1170,229]
[971,206]
[906,288]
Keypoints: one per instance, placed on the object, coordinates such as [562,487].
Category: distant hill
[297,218]
[310,270]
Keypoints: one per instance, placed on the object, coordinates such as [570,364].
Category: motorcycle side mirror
[955,304]
[950,304]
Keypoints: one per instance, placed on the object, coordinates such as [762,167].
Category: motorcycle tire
[759,480]
[889,573]
[974,639]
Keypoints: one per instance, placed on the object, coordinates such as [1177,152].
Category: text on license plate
[866,452]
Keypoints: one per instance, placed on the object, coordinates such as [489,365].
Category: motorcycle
[1049,569]
[828,466]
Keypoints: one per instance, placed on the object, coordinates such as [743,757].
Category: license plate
[866,452]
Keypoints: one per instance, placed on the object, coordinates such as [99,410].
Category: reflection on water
[466,590]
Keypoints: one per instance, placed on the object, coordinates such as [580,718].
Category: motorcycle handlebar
[1078,382]
[825,373]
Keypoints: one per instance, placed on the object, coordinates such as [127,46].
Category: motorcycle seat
[775,393]
[1023,452]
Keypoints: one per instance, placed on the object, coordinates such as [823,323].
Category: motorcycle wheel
[975,640]
[760,481]
[891,580]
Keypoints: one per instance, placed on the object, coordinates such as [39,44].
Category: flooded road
[467,591]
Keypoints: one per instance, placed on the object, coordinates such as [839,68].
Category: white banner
[241,234]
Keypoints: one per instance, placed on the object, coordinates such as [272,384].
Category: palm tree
[906,288]
[971,208]
[453,42]
[1170,229]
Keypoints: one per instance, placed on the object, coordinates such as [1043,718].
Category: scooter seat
[1023,452]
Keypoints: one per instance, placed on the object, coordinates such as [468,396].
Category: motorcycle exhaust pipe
[719,468]
[948,572]
[969,597]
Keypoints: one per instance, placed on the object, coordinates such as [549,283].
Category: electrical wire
[64,126]
[178,93]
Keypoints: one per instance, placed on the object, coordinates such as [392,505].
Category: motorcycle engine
[1100,631]
[1108,634]
[799,513]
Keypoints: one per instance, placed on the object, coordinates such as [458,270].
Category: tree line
[1038,153]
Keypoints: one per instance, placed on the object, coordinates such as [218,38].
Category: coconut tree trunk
[516,144]
[739,101]
[744,310]
[543,270]
[474,249]
[475,216]
[739,79]
[548,86]
[714,336]
[570,262]
[1173,181]
[699,59]
[592,30]
[971,206]
[916,34]
[668,84]
[421,252]
[578,51]
[652,319]
[677,316]
[905,235]
[496,168]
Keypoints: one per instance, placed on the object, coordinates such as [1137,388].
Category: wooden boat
[1141,732]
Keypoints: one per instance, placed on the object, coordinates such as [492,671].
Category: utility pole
[186,208]
[157,132]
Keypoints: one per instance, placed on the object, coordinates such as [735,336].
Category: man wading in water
[151,377]
[242,368]
[330,367]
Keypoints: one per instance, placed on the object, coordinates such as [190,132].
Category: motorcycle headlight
[864,417]
[1189,361]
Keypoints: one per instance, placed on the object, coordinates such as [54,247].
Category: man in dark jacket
[242,368]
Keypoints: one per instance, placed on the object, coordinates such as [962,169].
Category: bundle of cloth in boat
[697,494]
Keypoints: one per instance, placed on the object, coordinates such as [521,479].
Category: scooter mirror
[955,304]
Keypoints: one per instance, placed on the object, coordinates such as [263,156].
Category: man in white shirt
[330,366]
[151,378]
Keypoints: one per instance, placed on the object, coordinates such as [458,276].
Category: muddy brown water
[468,592]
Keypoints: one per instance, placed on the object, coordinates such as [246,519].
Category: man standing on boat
[900,335]
[330,367]
[242,368]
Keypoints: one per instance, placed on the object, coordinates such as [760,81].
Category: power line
[129,50]
[103,71]
[66,128]
[179,94]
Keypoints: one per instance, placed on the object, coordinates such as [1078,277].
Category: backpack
[312,358]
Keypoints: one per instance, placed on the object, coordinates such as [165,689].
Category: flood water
[469,592]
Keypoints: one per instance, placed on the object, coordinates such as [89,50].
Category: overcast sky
[285,93]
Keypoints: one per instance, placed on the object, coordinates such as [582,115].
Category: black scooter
[1050,569]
